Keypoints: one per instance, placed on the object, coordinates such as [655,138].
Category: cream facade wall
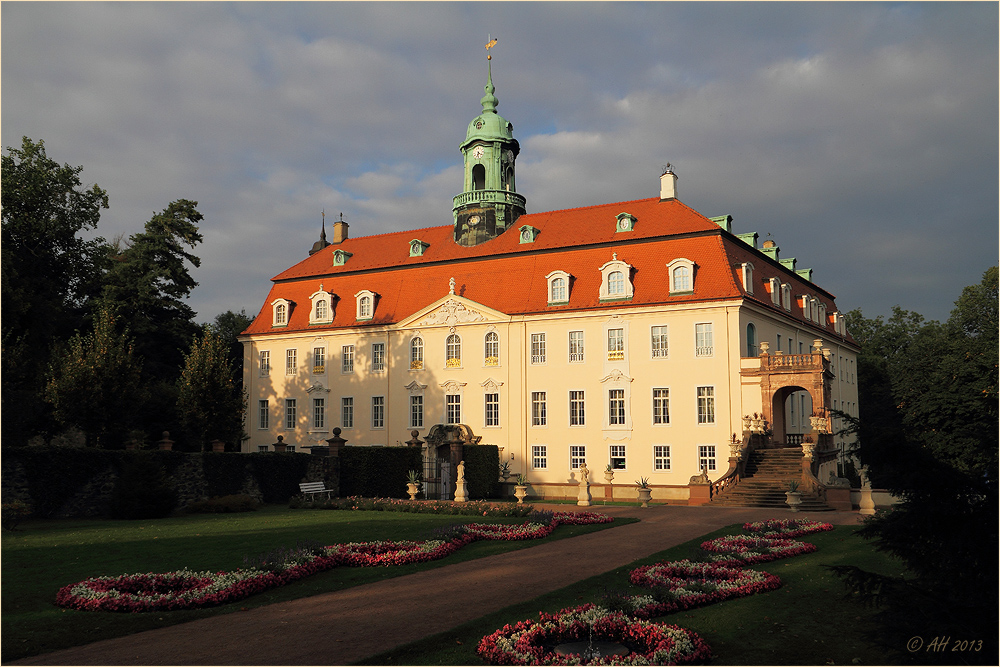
[665,436]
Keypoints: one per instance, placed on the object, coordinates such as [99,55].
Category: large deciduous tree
[49,271]
[210,404]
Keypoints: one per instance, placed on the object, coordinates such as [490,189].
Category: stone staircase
[768,472]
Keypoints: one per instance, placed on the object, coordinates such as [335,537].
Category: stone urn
[520,491]
[793,499]
[609,476]
[413,488]
[644,492]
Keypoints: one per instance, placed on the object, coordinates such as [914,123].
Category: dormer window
[748,277]
[281,310]
[681,272]
[340,257]
[775,291]
[626,221]
[786,296]
[528,234]
[365,305]
[616,280]
[322,307]
[417,248]
[822,315]
[558,287]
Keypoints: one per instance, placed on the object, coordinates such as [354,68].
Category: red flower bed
[748,549]
[785,528]
[695,585]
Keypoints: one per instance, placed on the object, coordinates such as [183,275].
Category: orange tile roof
[509,277]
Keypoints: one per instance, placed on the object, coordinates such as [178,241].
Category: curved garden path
[346,626]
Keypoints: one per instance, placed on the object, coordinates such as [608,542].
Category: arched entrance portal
[791,408]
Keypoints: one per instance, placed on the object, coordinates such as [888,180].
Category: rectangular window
[706,405]
[538,412]
[262,448]
[576,410]
[378,411]
[416,411]
[319,360]
[347,412]
[661,457]
[538,348]
[378,357]
[263,414]
[618,457]
[576,346]
[265,363]
[661,406]
[290,449]
[290,362]
[347,365]
[703,344]
[577,456]
[539,457]
[616,406]
[616,344]
[492,409]
[659,342]
[319,413]
[706,457]
[453,408]
[290,413]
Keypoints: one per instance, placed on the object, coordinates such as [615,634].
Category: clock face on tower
[510,156]
[473,221]
[478,152]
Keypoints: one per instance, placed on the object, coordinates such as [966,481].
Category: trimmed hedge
[482,470]
[277,475]
[378,471]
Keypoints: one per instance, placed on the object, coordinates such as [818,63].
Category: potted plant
[505,470]
[792,496]
[413,484]
[609,474]
[645,493]
[521,488]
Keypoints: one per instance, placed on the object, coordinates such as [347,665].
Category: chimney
[771,249]
[340,230]
[668,183]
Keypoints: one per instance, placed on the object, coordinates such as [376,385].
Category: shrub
[482,462]
[377,471]
[223,504]
[142,491]
[13,513]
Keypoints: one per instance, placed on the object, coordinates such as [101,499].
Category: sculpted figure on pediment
[452,312]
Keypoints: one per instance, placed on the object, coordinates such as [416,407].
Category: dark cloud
[861,136]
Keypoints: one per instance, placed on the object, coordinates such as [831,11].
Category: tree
[933,387]
[94,384]
[210,404]
[49,273]
[229,325]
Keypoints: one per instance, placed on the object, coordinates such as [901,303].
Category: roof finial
[489,100]
[451,286]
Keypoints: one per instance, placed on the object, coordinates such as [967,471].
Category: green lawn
[43,556]
[808,621]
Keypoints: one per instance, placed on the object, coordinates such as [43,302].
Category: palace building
[640,335]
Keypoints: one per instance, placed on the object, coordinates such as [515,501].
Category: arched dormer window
[775,291]
[616,280]
[748,278]
[416,353]
[751,340]
[822,315]
[453,351]
[478,177]
[786,296]
[681,272]
[492,349]
[322,310]
[365,305]
[558,283]
[281,310]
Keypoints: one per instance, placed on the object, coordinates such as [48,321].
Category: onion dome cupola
[489,203]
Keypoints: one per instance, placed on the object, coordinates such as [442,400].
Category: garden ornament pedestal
[645,495]
[520,491]
[793,499]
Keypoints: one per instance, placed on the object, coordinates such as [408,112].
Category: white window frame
[609,268]
[538,349]
[491,349]
[347,359]
[491,409]
[705,404]
[539,457]
[453,408]
[378,413]
[704,339]
[416,353]
[281,312]
[263,414]
[347,412]
[707,455]
[291,361]
[753,349]
[365,305]
[577,408]
[747,271]
[315,317]
[319,414]
[264,361]
[539,409]
[578,356]
[661,412]
[661,458]
[453,351]
[616,343]
[416,410]
[577,456]
[319,360]
[617,408]
[675,286]
[291,416]
[786,296]
[616,454]
[659,342]
[378,357]
[553,298]
[775,291]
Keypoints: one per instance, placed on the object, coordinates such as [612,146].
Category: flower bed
[694,585]
[748,549]
[531,642]
[187,590]
[786,528]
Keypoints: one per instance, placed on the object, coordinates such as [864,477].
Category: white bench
[311,489]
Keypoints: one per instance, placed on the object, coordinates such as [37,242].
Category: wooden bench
[311,489]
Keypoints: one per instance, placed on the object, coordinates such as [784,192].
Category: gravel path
[347,626]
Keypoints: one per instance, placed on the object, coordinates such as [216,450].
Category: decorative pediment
[491,385]
[452,310]
[317,386]
[415,388]
[616,379]
[453,387]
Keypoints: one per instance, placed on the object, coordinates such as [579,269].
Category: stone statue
[702,478]
[461,494]
[583,498]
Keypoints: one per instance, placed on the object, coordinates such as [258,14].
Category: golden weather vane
[489,45]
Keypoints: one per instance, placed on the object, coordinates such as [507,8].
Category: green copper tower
[489,203]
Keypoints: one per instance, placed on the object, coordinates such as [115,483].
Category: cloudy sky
[862,137]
